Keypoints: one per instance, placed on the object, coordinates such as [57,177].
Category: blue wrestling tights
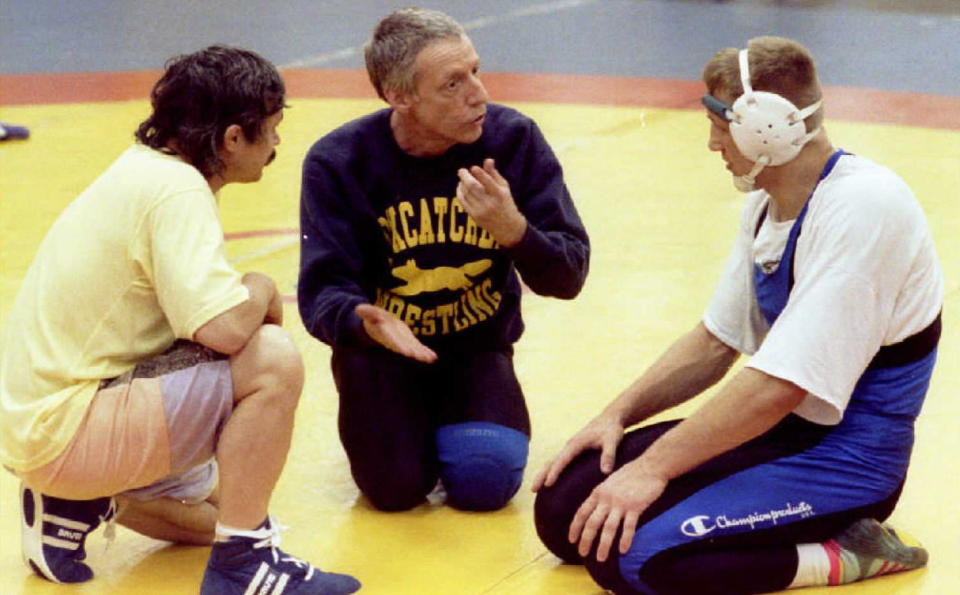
[684,544]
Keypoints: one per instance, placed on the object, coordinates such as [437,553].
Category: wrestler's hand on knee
[620,499]
[603,433]
[391,332]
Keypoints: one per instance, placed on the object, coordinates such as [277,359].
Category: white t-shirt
[866,275]
[133,263]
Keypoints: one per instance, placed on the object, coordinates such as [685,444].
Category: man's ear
[232,138]
[398,100]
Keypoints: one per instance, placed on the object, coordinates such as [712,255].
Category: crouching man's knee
[481,464]
[280,356]
[270,364]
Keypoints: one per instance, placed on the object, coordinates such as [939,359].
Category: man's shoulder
[861,200]
[507,118]
[860,185]
[151,166]
[142,176]
[507,129]
[353,135]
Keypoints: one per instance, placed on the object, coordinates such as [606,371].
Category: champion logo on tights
[696,526]
[701,524]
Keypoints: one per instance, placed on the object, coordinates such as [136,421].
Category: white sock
[225,532]
[813,566]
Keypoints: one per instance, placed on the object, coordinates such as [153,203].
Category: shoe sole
[871,538]
[31,535]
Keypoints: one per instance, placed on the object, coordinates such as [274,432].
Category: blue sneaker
[254,563]
[53,532]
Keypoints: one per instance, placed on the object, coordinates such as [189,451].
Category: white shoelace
[109,520]
[271,539]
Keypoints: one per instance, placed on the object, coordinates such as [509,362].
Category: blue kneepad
[481,464]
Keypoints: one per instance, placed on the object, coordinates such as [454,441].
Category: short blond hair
[777,64]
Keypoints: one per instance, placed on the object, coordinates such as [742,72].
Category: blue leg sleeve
[481,464]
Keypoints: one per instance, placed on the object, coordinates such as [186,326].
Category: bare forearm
[230,331]
[694,363]
[749,405]
[257,310]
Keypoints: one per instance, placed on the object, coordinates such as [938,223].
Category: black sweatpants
[391,407]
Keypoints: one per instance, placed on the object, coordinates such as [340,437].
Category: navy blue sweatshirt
[381,226]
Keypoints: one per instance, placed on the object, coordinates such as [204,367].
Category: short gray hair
[392,51]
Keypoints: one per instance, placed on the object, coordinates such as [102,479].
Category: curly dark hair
[201,94]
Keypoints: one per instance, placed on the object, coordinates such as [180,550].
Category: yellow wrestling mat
[661,214]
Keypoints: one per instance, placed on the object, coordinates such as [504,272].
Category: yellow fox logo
[428,280]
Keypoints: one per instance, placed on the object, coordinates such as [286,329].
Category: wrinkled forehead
[444,49]
[441,57]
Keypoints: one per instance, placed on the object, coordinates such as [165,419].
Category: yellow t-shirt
[133,263]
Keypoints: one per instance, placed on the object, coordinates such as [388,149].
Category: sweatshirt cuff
[356,334]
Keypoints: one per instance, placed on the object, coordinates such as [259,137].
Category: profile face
[256,155]
[721,140]
[449,104]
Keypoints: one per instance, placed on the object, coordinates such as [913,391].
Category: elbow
[579,278]
[559,291]
[715,349]
[720,355]
[226,342]
[231,344]
[780,400]
[568,285]
[571,291]
[224,336]
[789,395]
[774,397]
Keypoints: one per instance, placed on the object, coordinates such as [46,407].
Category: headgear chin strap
[767,128]
[747,182]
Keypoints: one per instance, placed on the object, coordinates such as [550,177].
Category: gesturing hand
[621,498]
[391,332]
[485,195]
[603,432]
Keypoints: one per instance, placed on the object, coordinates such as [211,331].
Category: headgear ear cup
[768,128]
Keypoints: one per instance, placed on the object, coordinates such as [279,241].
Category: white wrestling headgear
[767,128]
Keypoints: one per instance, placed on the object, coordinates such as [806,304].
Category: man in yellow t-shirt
[142,378]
